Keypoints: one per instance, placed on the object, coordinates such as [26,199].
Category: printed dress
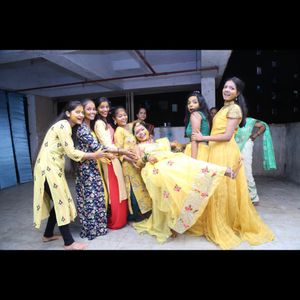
[50,166]
[89,189]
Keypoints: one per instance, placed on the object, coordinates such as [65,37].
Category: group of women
[123,175]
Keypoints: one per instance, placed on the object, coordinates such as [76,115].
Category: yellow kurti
[125,139]
[179,186]
[105,138]
[50,166]
[230,216]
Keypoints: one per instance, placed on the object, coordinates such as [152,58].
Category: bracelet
[118,151]
[145,157]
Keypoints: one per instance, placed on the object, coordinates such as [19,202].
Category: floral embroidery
[170,162]
[166,194]
[60,202]
[196,190]
[205,170]
[155,171]
[184,224]
[177,188]
[188,208]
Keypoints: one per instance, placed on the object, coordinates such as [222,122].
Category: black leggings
[64,229]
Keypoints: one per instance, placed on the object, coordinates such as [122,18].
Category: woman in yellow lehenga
[230,217]
[179,185]
[139,201]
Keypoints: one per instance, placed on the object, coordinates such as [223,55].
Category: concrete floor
[279,208]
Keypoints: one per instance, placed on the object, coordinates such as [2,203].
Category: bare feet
[76,246]
[174,234]
[51,238]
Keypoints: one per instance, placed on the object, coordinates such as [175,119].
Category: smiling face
[193,104]
[75,116]
[229,91]
[141,133]
[142,115]
[103,109]
[121,117]
[90,111]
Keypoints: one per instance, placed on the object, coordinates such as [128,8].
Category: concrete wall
[41,113]
[292,145]
[286,142]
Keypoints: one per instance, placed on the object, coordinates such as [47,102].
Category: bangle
[145,157]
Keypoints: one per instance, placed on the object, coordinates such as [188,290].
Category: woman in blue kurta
[89,183]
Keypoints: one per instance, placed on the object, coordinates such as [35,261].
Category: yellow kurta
[105,138]
[180,188]
[230,216]
[50,166]
[125,139]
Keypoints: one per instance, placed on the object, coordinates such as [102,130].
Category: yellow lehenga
[179,186]
[230,216]
[202,151]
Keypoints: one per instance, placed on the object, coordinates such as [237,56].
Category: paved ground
[279,208]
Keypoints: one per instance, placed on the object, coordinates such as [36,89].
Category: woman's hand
[152,159]
[197,136]
[132,154]
[99,153]
[109,155]
[174,144]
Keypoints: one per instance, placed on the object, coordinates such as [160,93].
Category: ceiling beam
[76,68]
[11,56]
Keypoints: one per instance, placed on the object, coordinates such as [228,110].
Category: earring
[115,122]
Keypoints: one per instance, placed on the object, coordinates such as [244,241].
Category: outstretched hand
[132,154]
